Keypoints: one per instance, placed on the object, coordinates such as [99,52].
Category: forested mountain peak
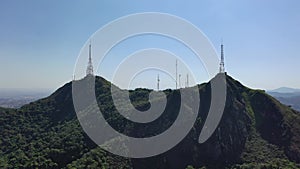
[255,131]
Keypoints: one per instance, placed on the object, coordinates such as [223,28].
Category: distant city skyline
[40,41]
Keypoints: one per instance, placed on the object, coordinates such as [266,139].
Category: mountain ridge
[46,133]
[285,90]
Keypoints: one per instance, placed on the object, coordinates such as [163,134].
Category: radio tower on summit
[89,69]
[222,65]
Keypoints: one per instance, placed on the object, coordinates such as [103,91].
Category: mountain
[285,90]
[283,95]
[256,131]
[287,96]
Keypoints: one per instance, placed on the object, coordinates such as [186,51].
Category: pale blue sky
[40,40]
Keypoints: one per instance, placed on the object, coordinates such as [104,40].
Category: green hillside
[256,131]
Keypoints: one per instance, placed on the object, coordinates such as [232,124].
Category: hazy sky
[40,40]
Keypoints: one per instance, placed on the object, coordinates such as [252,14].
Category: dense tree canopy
[256,131]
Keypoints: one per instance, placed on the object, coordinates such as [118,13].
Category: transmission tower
[187,80]
[89,69]
[179,81]
[222,65]
[176,74]
[158,82]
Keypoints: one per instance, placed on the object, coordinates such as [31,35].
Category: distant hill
[256,131]
[284,95]
[287,96]
[285,90]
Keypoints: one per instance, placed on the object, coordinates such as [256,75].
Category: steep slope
[46,134]
[255,130]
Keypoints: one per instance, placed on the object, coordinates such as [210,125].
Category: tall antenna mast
[187,80]
[176,74]
[89,69]
[179,81]
[158,82]
[222,65]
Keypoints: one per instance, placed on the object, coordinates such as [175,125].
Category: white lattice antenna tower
[176,74]
[158,80]
[179,82]
[187,80]
[89,69]
[222,64]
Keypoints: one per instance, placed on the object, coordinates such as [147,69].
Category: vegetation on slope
[256,131]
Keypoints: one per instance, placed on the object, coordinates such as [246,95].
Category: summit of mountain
[255,130]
